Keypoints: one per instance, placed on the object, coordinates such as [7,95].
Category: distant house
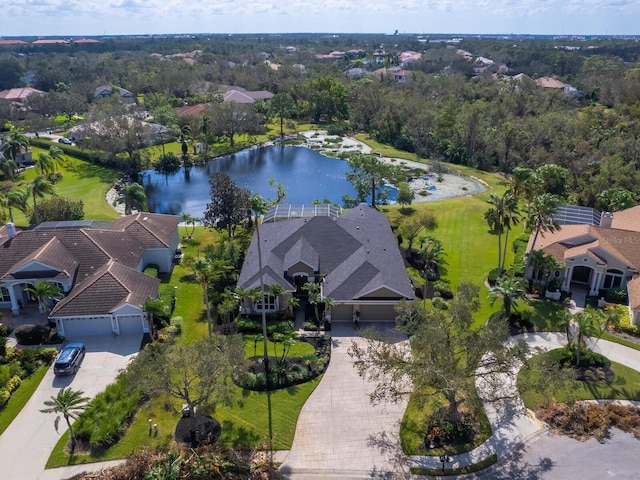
[24,156]
[12,42]
[193,110]
[50,41]
[408,57]
[398,73]
[596,257]
[19,95]
[241,95]
[104,91]
[550,82]
[97,265]
[354,256]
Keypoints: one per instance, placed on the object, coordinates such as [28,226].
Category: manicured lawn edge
[437,472]
[20,397]
[621,341]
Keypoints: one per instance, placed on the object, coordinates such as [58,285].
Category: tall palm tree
[133,196]
[433,254]
[14,198]
[38,188]
[509,290]
[7,167]
[276,290]
[500,217]
[49,162]
[540,218]
[43,292]
[69,403]
[13,145]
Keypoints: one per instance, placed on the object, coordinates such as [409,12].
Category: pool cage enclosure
[289,211]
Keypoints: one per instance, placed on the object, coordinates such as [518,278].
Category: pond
[305,174]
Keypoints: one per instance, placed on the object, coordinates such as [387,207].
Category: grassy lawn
[413,429]
[20,397]
[87,182]
[625,386]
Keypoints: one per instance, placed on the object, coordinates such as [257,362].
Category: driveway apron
[339,433]
[27,443]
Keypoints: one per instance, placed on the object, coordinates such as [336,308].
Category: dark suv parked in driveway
[69,359]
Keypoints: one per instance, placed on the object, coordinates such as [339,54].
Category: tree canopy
[229,206]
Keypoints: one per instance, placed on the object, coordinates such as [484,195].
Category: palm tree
[48,162]
[432,253]
[38,188]
[12,146]
[540,218]
[133,196]
[502,214]
[292,303]
[276,290]
[68,403]
[14,198]
[581,327]
[187,219]
[508,289]
[7,167]
[43,292]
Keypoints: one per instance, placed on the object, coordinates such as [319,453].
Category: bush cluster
[30,334]
[443,290]
[108,416]
[253,325]
[616,295]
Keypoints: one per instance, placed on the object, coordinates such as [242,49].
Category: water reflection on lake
[306,175]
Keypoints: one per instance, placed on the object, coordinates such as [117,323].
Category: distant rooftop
[289,211]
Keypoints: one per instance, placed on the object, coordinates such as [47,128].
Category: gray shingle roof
[357,254]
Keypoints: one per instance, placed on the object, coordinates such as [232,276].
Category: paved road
[339,433]
[26,444]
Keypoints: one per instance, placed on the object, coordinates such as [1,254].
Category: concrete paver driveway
[26,445]
[339,433]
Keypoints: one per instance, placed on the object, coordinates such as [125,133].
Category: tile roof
[19,94]
[549,82]
[109,287]
[104,260]
[357,254]
[628,219]
[192,109]
[52,254]
[633,290]
[152,230]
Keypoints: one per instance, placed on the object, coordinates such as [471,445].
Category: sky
[126,17]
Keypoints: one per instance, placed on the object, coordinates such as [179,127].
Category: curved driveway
[340,435]
[27,443]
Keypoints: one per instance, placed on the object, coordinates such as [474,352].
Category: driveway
[339,433]
[26,444]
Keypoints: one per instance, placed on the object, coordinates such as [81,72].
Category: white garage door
[83,327]
[130,324]
[377,313]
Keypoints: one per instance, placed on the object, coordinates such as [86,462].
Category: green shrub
[13,383]
[444,289]
[28,360]
[152,270]
[492,278]
[5,330]
[47,355]
[4,396]
[5,375]
[249,325]
[29,334]
[616,295]
[440,303]
[108,417]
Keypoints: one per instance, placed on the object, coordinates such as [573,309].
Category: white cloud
[33,17]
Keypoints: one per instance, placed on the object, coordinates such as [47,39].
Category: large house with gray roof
[97,265]
[597,257]
[354,256]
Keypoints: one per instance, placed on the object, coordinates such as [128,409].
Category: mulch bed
[208,430]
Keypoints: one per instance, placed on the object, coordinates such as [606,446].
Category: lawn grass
[413,430]
[625,386]
[251,349]
[20,397]
[86,182]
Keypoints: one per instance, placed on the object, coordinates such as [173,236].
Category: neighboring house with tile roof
[354,256]
[19,94]
[97,265]
[598,257]
[241,95]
